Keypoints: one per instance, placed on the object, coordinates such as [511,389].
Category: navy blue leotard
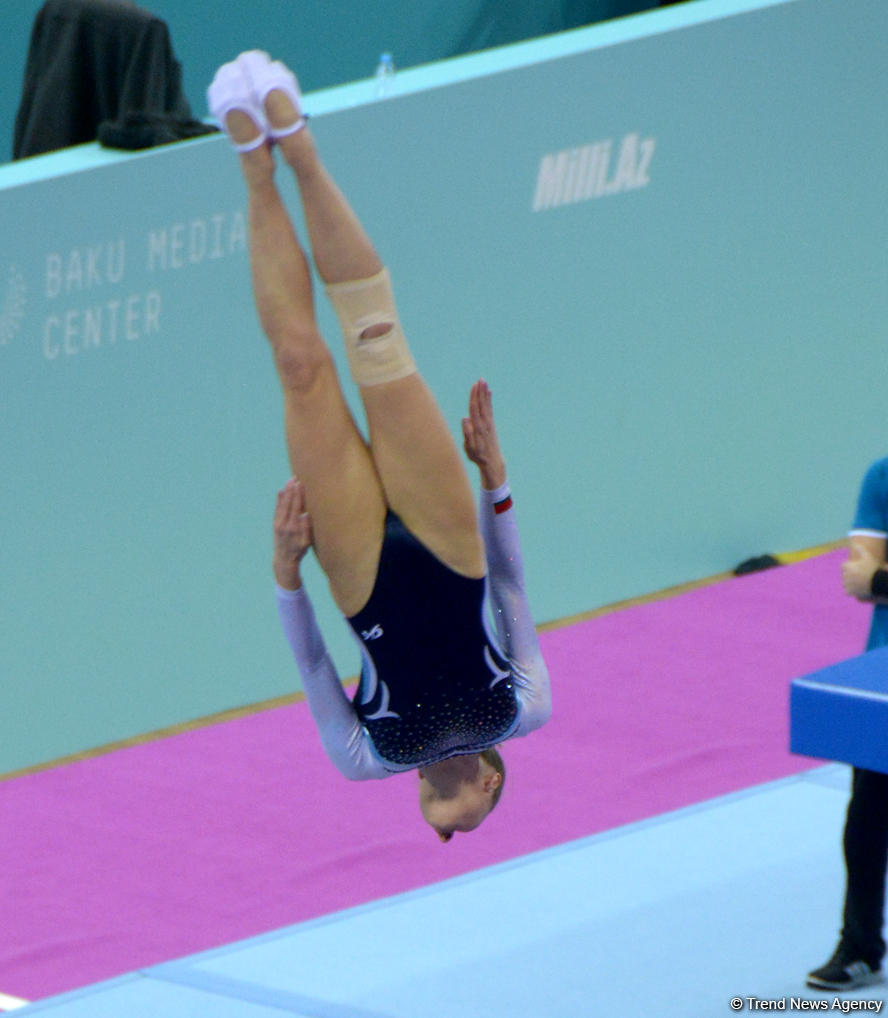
[433,683]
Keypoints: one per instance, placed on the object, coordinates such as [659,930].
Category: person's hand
[480,439]
[857,572]
[292,535]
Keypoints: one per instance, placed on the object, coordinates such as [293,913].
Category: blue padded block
[841,712]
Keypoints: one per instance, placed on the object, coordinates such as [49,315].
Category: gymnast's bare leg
[411,462]
[421,471]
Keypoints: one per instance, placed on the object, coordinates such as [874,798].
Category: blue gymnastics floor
[673,917]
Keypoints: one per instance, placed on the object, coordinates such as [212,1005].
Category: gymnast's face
[455,796]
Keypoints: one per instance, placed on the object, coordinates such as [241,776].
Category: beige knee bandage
[360,305]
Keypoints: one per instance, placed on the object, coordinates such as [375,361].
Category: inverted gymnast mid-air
[392,520]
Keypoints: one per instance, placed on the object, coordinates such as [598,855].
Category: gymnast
[392,520]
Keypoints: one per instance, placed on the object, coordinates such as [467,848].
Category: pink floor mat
[172,847]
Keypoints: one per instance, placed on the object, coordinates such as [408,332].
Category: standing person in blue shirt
[858,958]
[391,518]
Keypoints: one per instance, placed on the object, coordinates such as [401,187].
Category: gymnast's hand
[857,572]
[292,535]
[480,440]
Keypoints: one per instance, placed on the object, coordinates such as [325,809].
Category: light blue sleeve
[871,517]
[343,737]
[511,610]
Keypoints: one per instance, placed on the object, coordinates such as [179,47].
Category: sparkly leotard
[433,683]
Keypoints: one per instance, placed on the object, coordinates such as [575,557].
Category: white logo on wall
[98,311]
[12,305]
[596,170]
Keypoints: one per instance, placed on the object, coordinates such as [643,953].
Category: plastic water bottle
[385,76]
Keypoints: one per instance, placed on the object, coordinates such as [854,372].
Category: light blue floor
[673,917]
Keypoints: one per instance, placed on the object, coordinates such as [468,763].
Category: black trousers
[866,860]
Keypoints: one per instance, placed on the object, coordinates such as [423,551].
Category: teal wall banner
[664,248]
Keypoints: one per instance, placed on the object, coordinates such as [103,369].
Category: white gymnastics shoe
[266,75]
[231,90]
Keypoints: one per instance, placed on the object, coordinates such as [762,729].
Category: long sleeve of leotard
[511,609]
[343,737]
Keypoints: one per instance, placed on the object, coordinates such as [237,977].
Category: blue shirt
[871,520]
